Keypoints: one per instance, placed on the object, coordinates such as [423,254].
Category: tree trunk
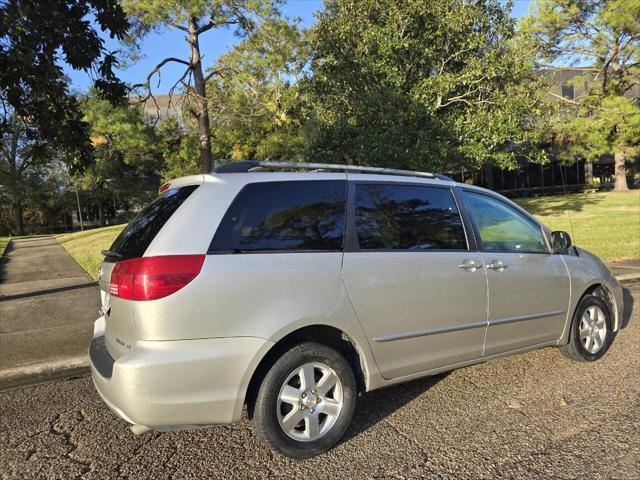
[15,177]
[620,173]
[17,210]
[101,212]
[204,129]
[588,172]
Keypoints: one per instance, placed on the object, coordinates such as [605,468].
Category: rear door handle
[497,265]
[469,265]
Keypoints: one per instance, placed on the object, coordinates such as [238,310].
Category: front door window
[502,228]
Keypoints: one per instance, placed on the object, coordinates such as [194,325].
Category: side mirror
[560,241]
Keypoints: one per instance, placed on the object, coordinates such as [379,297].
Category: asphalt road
[536,415]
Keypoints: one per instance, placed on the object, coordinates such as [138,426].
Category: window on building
[568,92]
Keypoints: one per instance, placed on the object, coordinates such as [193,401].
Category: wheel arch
[602,291]
[324,334]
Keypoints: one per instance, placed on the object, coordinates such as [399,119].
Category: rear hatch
[133,241]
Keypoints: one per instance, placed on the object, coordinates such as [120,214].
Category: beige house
[160,107]
[573,83]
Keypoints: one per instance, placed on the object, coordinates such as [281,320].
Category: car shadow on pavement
[382,403]
[628,307]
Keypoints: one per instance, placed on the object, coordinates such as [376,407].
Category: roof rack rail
[250,165]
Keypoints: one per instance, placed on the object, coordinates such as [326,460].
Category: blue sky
[213,43]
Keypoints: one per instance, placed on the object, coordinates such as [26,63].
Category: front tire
[306,401]
[591,334]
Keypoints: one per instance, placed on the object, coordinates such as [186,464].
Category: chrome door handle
[468,265]
[497,265]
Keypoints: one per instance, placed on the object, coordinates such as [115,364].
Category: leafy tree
[179,147]
[258,108]
[37,37]
[422,84]
[196,17]
[25,166]
[124,147]
[603,39]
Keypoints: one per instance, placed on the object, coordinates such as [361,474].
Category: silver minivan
[293,288]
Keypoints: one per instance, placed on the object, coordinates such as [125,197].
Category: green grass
[85,247]
[605,223]
[4,241]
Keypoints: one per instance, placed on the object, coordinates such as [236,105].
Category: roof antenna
[564,187]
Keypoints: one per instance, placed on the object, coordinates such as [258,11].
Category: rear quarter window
[284,216]
[134,240]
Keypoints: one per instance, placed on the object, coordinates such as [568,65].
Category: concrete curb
[628,277]
[41,372]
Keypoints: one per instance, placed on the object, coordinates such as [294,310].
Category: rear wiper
[110,253]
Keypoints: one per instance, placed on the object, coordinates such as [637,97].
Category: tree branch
[213,73]
[147,84]
[178,26]
[157,68]
[211,24]
[175,85]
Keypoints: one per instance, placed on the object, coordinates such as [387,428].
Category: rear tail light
[151,278]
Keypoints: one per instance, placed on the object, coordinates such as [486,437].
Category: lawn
[4,241]
[605,223]
[86,246]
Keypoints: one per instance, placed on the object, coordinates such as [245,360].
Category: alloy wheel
[593,329]
[309,402]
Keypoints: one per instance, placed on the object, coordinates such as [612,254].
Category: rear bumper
[172,384]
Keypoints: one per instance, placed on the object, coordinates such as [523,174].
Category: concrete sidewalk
[47,308]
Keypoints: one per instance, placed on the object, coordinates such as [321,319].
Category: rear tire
[306,401]
[591,334]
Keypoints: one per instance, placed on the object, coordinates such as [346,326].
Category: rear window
[140,232]
[276,216]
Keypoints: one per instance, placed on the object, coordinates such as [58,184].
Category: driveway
[536,415]
[47,306]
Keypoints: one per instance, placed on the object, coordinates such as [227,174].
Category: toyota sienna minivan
[292,288]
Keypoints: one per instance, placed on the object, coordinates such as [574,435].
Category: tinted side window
[405,217]
[306,215]
[502,228]
[140,232]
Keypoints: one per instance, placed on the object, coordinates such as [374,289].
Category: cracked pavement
[535,415]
